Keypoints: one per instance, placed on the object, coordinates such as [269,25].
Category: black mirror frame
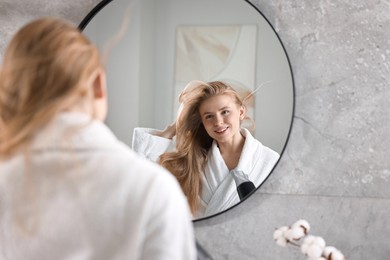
[103,3]
[92,14]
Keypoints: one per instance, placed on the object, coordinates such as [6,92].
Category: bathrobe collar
[219,187]
[60,133]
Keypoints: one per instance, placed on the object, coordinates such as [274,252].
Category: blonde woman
[68,188]
[216,161]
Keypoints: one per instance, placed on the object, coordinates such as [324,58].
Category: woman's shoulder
[127,162]
[254,144]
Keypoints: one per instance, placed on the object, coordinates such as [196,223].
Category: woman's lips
[221,130]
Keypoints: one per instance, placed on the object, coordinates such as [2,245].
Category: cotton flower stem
[294,244]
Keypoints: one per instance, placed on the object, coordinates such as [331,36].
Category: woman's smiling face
[221,117]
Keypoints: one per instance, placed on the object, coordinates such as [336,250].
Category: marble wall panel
[359,227]
[334,171]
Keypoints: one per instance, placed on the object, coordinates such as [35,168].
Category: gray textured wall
[334,171]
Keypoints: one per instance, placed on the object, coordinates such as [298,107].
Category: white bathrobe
[84,195]
[219,191]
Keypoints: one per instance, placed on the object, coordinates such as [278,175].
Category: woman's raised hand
[169,132]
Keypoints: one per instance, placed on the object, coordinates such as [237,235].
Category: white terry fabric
[148,145]
[219,189]
[82,194]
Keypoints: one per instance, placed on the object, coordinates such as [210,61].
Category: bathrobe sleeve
[148,145]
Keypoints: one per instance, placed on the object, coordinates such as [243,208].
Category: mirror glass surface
[170,42]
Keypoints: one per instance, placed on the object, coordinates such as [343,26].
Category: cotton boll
[329,250]
[280,232]
[313,246]
[277,234]
[333,253]
[284,228]
[337,255]
[287,234]
[319,241]
[314,251]
[302,224]
[295,233]
[309,239]
[280,237]
[281,241]
[304,248]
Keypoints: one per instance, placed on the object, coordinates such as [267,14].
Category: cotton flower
[320,242]
[282,241]
[309,239]
[279,232]
[295,233]
[303,224]
[279,236]
[328,250]
[314,251]
[313,246]
[337,255]
[333,253]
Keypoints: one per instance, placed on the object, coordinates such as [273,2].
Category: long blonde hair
[187,162]
[45,67]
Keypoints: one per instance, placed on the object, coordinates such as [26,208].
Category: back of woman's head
[44,70]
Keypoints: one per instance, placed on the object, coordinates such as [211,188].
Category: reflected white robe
[219,191]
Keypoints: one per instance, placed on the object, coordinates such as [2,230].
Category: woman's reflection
[216,161]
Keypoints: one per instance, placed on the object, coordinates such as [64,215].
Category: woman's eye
[208,117]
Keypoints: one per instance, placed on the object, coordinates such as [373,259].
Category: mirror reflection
[170,43]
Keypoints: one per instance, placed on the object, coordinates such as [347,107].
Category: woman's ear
[242,112]
[99,84]
[99,94]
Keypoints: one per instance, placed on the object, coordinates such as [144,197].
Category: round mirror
[167,43]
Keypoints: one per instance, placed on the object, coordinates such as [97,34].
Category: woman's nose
[218,120]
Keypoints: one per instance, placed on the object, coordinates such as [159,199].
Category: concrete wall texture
[334,171]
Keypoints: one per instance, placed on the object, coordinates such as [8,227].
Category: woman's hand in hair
[169,132]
